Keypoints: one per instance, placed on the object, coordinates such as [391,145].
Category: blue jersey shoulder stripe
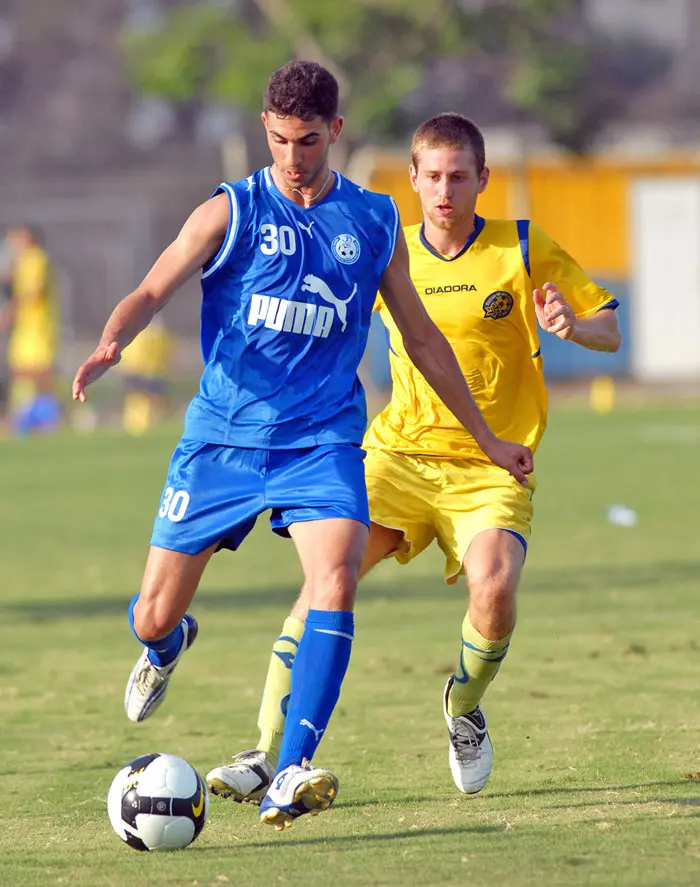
[231,231]
[523,226]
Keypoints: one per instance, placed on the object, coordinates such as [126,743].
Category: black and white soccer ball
[158,802]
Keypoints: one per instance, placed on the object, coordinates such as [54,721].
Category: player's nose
[295,156]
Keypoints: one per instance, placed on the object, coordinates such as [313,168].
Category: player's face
[299,148]
[448,184]
[18,239]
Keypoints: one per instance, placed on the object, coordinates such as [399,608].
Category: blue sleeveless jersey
[286,309]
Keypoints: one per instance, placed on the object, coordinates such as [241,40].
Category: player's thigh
[477,497]
[400,489]
[382,543]
[318,497]
[330,551]
[169,583]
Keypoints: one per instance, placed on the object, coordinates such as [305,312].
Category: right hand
[515,458]
[101,359]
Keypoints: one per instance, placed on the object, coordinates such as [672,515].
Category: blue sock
[164,650]
[317,674]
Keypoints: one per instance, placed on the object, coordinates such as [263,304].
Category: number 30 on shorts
[174,504]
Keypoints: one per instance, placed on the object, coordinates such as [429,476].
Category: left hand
[514,457]
[101,359]
[554,314]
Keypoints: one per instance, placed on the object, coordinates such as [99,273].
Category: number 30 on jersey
[174,504]
[282,239]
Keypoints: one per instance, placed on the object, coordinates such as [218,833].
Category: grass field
[595,716]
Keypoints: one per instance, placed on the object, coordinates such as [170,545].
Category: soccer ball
[158,802]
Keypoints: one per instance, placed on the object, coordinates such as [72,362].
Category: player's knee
[154,619]
[492,591]
[332,590]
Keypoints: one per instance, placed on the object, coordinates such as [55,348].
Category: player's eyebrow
[308,135]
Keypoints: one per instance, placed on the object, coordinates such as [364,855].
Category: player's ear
[413,176]
[336,128]
[484,179]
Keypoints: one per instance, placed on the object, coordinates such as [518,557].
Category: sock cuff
[132,604]
[472,637]
[331,620]
[292,628]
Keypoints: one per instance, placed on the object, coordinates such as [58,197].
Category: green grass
[595,716]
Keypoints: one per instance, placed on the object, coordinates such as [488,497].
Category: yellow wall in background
[584,208]
[582,204]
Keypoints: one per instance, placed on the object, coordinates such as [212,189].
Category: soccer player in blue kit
[291,259]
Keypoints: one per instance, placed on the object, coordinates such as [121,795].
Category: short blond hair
[449,130]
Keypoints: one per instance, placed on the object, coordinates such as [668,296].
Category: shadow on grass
[602,803]
[536,581]
[280,843]
[584,789]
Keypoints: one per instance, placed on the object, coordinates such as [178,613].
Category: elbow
[148,302]
[615,342]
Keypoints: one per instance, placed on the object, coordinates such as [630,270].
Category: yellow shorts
[444,499]
[30,352]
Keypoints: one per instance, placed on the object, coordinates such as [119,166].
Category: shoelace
[466,740]
[148,678]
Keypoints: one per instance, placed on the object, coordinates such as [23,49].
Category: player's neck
[448,241]
[310,194]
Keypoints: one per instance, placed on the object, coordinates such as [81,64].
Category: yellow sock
[273,708]
[22,390]
[478,666]
[137,413]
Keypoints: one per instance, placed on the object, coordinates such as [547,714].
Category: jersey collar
[479,223]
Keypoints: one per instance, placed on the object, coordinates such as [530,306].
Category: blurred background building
[117,117]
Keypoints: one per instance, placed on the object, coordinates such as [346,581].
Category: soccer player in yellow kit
[32,347]
[491,286]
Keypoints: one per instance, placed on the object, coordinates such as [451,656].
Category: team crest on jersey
[497,305]
[346,248]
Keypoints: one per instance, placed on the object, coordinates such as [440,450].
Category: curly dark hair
[449,130]
[304,90]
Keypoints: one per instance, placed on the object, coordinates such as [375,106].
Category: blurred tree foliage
[548,65]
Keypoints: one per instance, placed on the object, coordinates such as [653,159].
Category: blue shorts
[214,493]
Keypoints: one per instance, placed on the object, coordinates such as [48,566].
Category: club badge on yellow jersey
[482,301]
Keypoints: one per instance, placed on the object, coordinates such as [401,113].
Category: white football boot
[295,791]
[471,752]
[147,684]
[245,780]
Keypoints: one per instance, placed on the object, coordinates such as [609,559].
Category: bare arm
[431,353]
[198,241]
[597,332]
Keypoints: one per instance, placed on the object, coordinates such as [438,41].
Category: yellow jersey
[33,291]
[34,328]
[482,301]
[148,356]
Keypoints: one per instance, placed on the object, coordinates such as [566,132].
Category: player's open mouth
[445,209]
